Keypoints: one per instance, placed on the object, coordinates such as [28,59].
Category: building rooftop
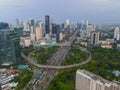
[97,78]
[94,76]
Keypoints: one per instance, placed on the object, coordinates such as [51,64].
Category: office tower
[86,80]
[58,34]
[19,31]
[47,25]
[38,33]
[32,36]
[17,22]
[79,25]
[32,29]
[90,28]
[117,33]
[94,38]
[54,29]
[26,26]
[61,36]
[62,26]
[86,24]
[31,22]
[9,47]
[42,28]
[67,24]
[3,25]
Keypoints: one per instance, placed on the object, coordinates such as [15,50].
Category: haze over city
[97,11]
[59,45]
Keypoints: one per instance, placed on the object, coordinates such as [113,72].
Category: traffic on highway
[42,78]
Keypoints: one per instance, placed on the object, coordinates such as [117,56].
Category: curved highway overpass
[31,61]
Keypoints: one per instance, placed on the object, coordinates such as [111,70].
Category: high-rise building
[19,31]
[3,25]
[117,33]
[32,36]
[38,33]
[31,22]
[42,28]
[26,26]
[90,28]
[55,29]
[9,47]
[62,26]
[17,22]
[47,25]
[32,29]
[79,25]
[61,36]
[67,24]
[86,24]
[94,41]
[58,34]
[86,80]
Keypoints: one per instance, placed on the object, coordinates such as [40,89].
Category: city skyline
[96,11]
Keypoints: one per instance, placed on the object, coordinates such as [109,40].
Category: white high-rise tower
[117,34]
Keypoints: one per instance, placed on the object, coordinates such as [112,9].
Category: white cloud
[101,0]
[5,3]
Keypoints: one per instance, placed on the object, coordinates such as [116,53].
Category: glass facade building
[9,47]
[47,24]
[19,31]
[3,25]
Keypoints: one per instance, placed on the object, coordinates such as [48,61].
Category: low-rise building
[110,41]
[106,45]
[25,41]
[84,43]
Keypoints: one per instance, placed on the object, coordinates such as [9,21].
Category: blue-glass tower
[9,47]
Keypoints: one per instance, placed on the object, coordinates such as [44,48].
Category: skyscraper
[9,47]
[4,25]
[38,33]
[19,31]
[31,22]
[90,28]
[26,26]
[117,33]
[47,25]
[58,34]
[42,28]
[54,29]
[67,24]
[94,38]
[17,22]
[86,24]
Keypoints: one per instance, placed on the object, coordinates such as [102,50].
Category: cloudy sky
[96,11]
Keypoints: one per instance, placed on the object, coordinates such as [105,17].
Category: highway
[50,70]
[60,53]
[31,61]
